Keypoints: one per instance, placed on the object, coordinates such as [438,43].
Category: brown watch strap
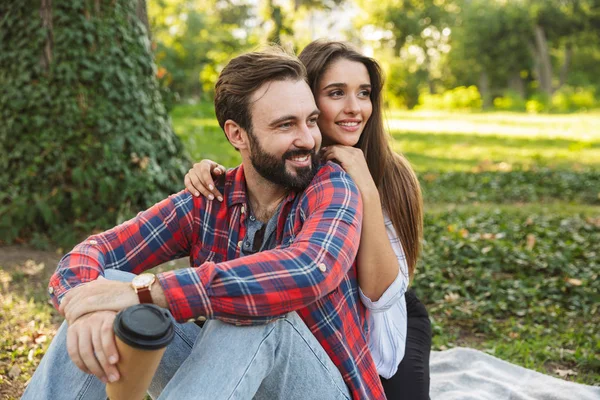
[144,295]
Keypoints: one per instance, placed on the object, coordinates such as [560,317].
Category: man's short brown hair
[245,74]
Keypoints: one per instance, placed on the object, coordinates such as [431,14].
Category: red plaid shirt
[311,271]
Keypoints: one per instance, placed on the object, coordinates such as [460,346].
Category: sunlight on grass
[442,141]
[580,126]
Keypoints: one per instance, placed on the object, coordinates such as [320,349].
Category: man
[272,266]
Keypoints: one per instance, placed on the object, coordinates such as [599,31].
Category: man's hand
[91,345]
[99,295]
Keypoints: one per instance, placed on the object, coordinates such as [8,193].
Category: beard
[274,169]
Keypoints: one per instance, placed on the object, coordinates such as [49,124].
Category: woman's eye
[364,93]
[336,93]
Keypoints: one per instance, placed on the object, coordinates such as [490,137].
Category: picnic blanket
[465,374]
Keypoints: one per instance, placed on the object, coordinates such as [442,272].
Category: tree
[278,17]
[417,23]
[559,24]
[193,40]
[488,43]
[86,140]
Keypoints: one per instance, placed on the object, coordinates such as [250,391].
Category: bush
[541,185]
[402,84]
[511,101]
[459,98]
[569,98]
[86,140]
[537,103]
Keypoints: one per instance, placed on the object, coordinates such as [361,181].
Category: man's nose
[305,138]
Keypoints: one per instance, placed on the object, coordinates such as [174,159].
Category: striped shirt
[388,317]
[311,271]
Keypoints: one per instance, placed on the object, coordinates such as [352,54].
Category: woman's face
[344,98]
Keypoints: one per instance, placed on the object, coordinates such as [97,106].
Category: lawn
[511,255]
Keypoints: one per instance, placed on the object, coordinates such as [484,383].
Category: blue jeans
[280,360]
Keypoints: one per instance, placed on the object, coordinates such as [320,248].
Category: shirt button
[51,290]
[322,267]
[290,240]
[93,242]
[240,243]
[252,218]
[201,318]
[243,209]
[191,320]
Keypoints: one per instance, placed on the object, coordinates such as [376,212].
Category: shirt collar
[236,179]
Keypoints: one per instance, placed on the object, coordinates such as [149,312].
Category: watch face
[143,280]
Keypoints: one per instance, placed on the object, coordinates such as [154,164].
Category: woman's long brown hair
[396,181]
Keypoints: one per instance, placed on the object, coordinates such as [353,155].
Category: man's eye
[312,121]
[286,125]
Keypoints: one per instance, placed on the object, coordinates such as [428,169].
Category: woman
[347,87]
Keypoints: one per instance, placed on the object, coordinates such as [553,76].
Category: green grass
[510,261]
[199,130]
[518,282]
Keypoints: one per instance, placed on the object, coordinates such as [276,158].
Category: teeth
[348,123]
[303,158]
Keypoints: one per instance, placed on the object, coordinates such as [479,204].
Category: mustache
[294,153]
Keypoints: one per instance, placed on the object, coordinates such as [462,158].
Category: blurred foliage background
[496,103]
[518,55]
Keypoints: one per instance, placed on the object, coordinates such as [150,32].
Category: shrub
[513,186]
[86,140]
[402,84]
[459,98]
[511,101]
[569,98]
[537,103]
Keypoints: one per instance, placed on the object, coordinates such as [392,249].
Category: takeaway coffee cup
[142,333]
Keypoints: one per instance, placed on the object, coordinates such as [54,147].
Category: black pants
[411,382]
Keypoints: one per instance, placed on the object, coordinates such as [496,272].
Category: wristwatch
[142,284]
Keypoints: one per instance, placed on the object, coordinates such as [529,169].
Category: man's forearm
[163,232]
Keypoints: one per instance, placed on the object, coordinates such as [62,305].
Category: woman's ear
[236,135]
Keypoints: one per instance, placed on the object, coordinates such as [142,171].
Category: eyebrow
[278,121]
[339,84]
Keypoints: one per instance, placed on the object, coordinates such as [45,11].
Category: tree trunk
[545,65]
[430,81]
[46,15]
[564,70]
[142,14]
[77,158]
[484,89]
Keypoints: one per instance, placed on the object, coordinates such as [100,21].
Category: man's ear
[236,134]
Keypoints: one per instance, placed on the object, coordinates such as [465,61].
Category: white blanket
[465,374]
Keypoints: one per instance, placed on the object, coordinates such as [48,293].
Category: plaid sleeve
[163,232]
[257,288]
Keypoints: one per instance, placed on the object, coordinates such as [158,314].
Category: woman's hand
[353,161]
[199,179]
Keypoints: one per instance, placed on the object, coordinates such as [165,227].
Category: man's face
[284,138]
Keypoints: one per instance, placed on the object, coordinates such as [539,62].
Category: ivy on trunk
[86,140]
